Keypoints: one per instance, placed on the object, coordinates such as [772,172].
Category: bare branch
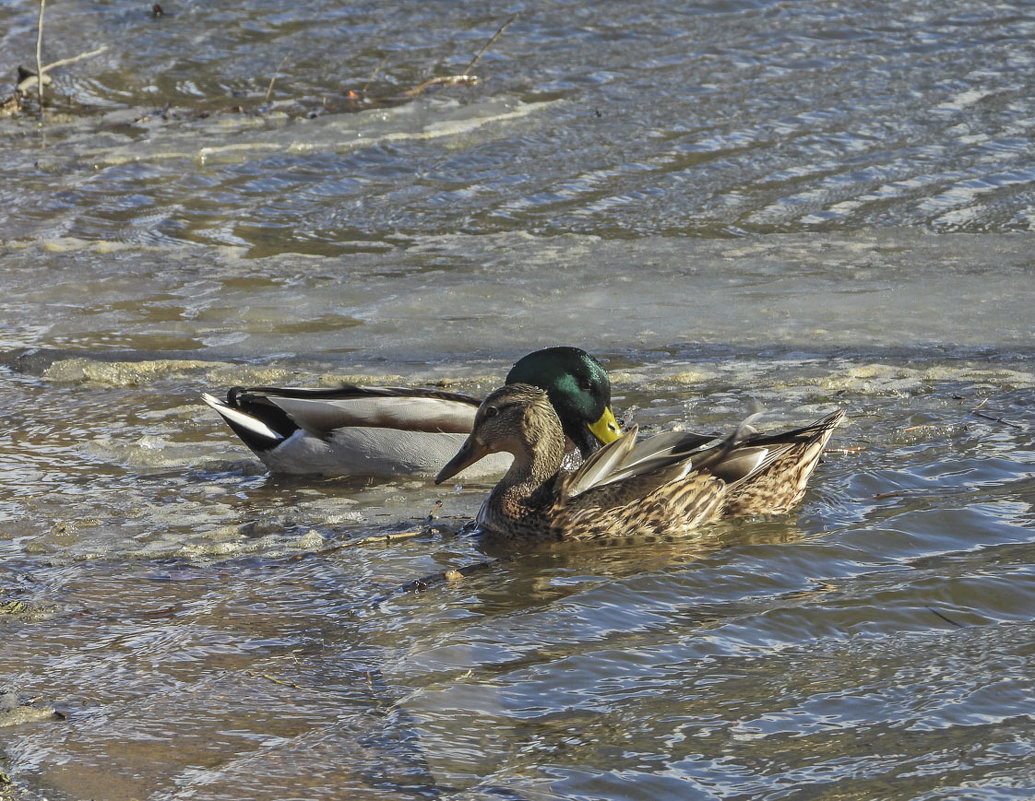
[39,57]
[30,80]
[442,80]
[65,61]
[373,75]
[269,89]
[465,78]
[489,43]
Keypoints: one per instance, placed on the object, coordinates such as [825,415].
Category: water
[806,205]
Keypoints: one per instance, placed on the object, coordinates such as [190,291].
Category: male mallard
[664,485]
[396,431]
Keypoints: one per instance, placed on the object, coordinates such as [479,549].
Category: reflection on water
[731,203]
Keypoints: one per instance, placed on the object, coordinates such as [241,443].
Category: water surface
[802,205]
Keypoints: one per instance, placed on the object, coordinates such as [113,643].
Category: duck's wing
[624,471]
[619,476]
[653,456]
[600,466]
[663,450]
[321,412]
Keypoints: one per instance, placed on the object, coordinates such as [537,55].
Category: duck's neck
[538,451]
[526,486]
[536,462]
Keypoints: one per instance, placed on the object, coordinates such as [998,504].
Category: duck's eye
[491,411]
[585,384]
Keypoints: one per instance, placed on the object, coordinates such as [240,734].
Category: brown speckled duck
[663,486]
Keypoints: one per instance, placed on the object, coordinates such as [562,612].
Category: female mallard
[664,485]
[395,431]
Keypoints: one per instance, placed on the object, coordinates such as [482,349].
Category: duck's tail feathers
[752,452]
[785,463]
[256,433]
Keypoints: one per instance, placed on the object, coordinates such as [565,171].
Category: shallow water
[803,205]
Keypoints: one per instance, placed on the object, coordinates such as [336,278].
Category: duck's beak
[469,453]
[606,429]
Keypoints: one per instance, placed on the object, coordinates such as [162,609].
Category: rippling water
[807,205]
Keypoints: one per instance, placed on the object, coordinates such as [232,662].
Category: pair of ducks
[555,401]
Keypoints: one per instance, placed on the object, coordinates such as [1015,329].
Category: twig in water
[431,515]
[934,611]
[39,57]
[984,416]
[269,89]
[268,677]
[30,79]
[465,78]
[373,75]
[442,80]
[489,43]
[390,537]
[65,61]
[450,576]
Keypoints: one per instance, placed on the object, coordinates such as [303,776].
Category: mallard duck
[397,431]
[662,486]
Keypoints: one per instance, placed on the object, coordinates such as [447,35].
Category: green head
[578,388]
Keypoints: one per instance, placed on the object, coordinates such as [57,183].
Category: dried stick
[65,61]
[443,80]
[464,78]
[489,43]
[984,416]
[25,85]
[947,619]
[997,420]
[269,89]
[383,538]
[268,677]
[373,75]
[451,576]
[39,57]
